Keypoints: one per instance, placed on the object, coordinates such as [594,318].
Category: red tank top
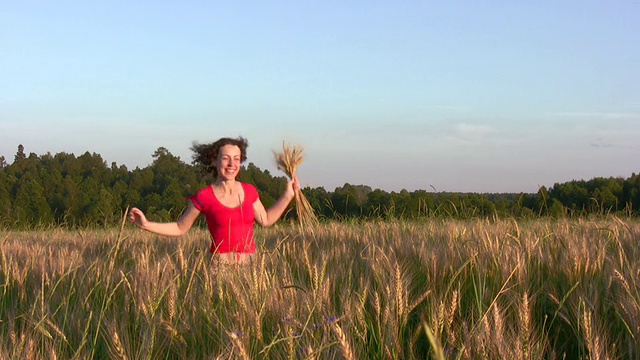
[231,228]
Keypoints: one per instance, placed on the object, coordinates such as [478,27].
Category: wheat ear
[288,161]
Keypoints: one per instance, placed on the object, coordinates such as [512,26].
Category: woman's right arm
[177,228]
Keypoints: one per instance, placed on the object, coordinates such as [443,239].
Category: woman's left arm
[268,217]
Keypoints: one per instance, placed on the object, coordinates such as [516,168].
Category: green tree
[89,202]
[403,204]
[425,202]
[71,201]
[20,154]
[379,204]
[270,187]
[542,200]
[573,195]
[5,196]
[31,205]
[631,193]
[69,165]
[142,181]
[92,165]
[604,201]
[173,180]
[319,200]
[53,185]
[557,210]
[119,183]
[106,207]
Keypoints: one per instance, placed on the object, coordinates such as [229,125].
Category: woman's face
[228,162]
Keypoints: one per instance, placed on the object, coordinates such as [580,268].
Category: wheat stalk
[288,161]
[118,349]
[347,350]
[238,343]
[172,302]
[525,324]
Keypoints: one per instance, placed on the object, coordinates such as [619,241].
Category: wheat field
[441,289]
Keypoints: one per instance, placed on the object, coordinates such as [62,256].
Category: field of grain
[408,290]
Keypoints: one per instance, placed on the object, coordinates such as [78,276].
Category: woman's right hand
[292,187]
[137,217]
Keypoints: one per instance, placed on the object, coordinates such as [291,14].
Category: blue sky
[462,95]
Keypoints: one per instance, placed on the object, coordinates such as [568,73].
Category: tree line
[83,191]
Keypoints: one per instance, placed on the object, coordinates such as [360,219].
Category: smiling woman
[230,207]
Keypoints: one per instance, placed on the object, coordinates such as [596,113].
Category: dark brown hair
[204,155]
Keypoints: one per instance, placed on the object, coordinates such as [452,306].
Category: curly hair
[205,155]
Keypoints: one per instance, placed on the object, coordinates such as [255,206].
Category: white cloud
[472,132]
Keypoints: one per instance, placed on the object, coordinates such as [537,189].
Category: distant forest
[84,191]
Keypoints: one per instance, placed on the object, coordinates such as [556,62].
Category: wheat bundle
[288,161]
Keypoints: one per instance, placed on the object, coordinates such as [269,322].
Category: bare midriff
[233,258]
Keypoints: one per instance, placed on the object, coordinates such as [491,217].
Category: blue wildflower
[330,319]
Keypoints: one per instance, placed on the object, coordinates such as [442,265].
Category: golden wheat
[347,350]
[172,302]
[118,350]
[525,324]
[238,343]
[288,161]
[455,302]
[587,324]
[499,333]
[475,289]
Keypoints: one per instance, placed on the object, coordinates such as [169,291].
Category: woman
[230,207]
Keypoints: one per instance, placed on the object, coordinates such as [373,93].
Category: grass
[394,289]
